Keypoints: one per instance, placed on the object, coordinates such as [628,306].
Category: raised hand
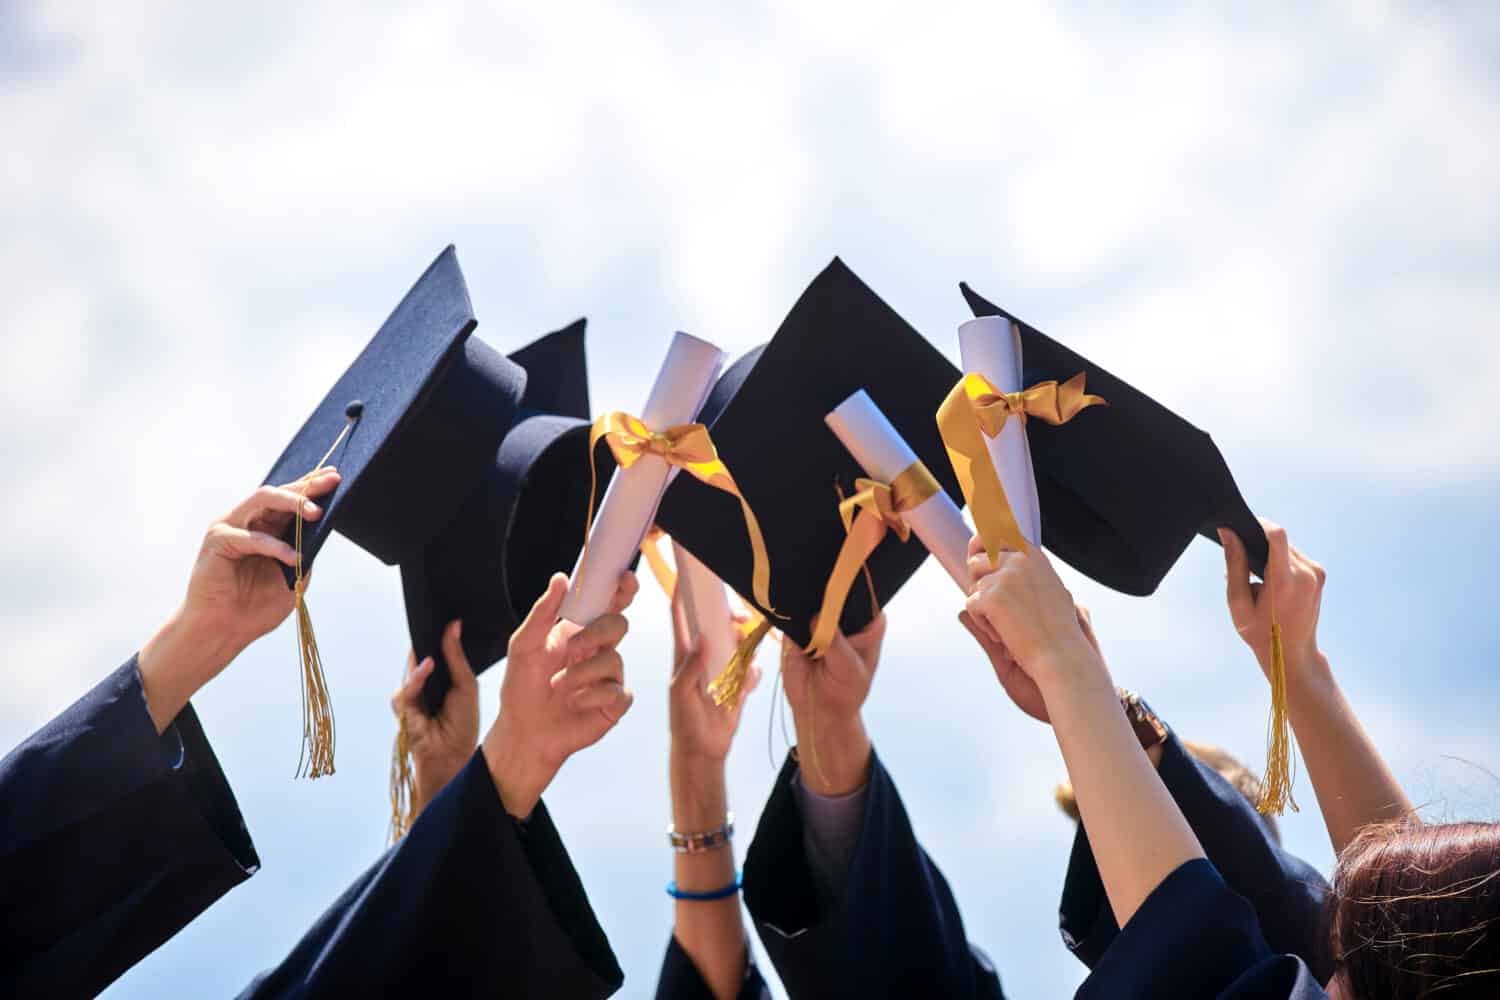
[826,696]
[236,594]
[440,745]
[700,728]
[1293,592]
[564,689]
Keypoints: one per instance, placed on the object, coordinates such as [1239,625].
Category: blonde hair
[1245,781]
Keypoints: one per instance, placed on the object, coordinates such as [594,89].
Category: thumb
[1237,569]
[459,670]
[531,636]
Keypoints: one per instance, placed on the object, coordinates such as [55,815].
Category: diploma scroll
[879,448]
[629,506]
[991,346]
[706,602]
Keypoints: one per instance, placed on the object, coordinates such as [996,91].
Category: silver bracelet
[698,843]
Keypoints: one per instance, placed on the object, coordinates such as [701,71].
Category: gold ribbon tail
[867,515]
[729,686]
[666,576]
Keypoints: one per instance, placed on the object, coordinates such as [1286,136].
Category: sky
[1280,221]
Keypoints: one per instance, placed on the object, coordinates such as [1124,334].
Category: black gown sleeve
[1287,894]
[1194,937]
[894,930]
[112,839]
[681,980]
[470,903]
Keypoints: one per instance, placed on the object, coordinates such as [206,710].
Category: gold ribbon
[687,447]
[867,515]
[665,575]
[975,410]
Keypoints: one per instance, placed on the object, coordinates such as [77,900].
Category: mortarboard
[1123,489]
[522,521]
[766,415]
[410,425]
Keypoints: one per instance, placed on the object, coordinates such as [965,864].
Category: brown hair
[1415,911]
[1241,777]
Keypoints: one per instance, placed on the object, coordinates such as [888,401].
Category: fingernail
[458,629]
[309,507]
[1223,536]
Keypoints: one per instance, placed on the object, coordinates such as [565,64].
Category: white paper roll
[629,505]
[879,448]
[991,346]
[706,602]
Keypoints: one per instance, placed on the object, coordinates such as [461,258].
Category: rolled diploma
[630,503]
[707,605]
[884,455]
[991,346]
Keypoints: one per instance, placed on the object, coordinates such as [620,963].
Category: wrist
[175,663]
[520,777]
[699,792]
[1068,667]
[834,755]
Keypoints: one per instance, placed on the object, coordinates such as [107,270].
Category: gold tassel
[727,688]
[403,784]
[1276,789]
[316,759]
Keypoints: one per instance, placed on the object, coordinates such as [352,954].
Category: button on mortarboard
[766,416]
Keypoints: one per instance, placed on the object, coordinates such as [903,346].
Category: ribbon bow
[975,410]
[873,510]
[687,447]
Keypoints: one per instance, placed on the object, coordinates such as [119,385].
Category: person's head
[1245,781]
[1415,912]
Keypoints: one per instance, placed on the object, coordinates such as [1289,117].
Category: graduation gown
[1194,937]
[470,903]
[1286,893]
[681,980]
[112,838]
[893,931]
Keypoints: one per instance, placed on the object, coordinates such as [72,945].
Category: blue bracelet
[704,897]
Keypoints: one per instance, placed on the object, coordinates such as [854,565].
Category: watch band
[1149,728]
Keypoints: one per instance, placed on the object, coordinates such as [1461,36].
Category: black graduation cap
[766,418]
[522,521]
[1123,488]
[411,425]
[421,412]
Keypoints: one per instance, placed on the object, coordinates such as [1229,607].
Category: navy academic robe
[681,980]
[893,931]
[112,838]
[1287,894]
[1193,938]
[470,903]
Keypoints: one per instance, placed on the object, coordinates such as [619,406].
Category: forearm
[833,754]
[1353,784]
[176,662]
[709,931]
[1137,832]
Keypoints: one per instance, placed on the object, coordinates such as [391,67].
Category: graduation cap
[410,425]
[766,416]
[521,522]
[1124,489]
